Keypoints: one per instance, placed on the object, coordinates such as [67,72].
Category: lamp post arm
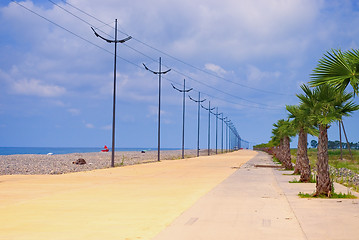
[111,41]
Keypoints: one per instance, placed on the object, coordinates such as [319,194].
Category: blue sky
[248,57]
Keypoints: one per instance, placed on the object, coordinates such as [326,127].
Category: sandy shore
[31,164]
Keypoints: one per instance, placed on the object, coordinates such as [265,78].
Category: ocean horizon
[66,150]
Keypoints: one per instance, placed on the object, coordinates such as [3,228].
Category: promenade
[211,197]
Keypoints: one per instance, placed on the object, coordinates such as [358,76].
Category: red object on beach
[105,149]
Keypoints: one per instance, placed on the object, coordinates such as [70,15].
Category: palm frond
[337,69]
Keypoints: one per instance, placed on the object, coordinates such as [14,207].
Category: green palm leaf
[337,69]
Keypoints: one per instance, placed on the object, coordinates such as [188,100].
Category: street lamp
[159,73]
[184,91]
[216,114]
[222,118]
[209,109]
[199,101]
[227,122]
[114,85]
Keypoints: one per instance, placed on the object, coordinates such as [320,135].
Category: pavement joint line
[295,215]
[191,221]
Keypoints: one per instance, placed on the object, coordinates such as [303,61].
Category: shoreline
[43,164]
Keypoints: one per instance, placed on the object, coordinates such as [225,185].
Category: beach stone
[35,164]
[80,161]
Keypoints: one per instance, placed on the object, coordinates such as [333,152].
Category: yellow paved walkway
[133,202]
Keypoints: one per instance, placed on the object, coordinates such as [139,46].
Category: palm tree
[328,105]
[283,131]
[303,125]
[275,142]
[338,69]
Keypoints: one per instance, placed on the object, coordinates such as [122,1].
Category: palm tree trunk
[324,184]
[276,152]
[286,154]
[280,151]
[302,156]
[297,167]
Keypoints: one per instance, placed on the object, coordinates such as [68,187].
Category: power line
[179,60]
[209,86]
[105,24]
[224,100]
[174,70]
[84,39]
[136,65]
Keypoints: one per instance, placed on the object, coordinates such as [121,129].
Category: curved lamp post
[184,91]
[216,114]
[199,101]
[209,109]
[114,85]
[159,73]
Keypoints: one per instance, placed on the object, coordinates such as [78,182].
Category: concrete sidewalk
[212,197]
[132,202]
[260,203]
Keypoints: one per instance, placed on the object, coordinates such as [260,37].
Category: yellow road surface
[132,202]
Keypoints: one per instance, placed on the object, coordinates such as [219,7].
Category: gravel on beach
[34,164]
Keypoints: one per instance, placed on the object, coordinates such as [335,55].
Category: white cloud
[152,111]
[246,29]
[127,118]
[271,45]
[215,68]
[107,127]
[34,87]
[153,114]
[256,76]
[89,125]
[74,111]
[57,103]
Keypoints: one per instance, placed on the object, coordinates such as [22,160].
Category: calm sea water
[57,150]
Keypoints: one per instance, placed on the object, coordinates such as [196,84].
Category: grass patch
[334,161]
[346,182]
[121,163]
[332,196]
[295,181]
[334,158]
[292,174]
[312,180]
[275,160]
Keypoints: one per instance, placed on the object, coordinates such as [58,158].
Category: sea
[64,150]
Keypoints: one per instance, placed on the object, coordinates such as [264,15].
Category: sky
[247,57]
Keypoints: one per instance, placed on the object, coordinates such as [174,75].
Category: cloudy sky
[247,57]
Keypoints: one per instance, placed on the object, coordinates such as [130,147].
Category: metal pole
[222,133]
[216,114]
[216,128]
[183,110]
[198,117]
[209,125]
[227,122]
[230,138]
[226,138]
[114,101]
[159,73]
[183,113]
[114,86]
[159,114]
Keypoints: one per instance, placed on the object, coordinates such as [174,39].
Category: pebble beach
[40,164]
